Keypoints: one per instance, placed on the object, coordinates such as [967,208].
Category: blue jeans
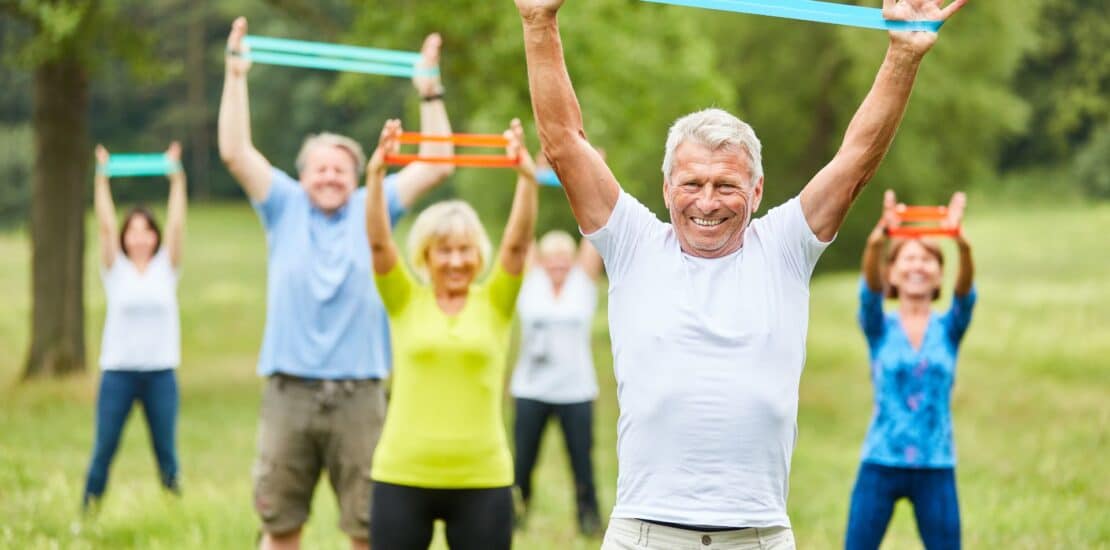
[932,492]
[119,389]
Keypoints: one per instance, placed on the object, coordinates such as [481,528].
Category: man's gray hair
[714,128]
[329,139]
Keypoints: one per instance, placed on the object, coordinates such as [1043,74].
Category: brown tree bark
[62,159]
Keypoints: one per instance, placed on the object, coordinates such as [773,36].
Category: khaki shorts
[634,534]
[307,427]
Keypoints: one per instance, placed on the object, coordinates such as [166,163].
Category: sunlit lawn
[1032,405]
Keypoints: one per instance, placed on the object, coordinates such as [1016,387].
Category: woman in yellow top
[443,452]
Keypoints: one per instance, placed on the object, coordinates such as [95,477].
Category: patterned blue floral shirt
[911,426]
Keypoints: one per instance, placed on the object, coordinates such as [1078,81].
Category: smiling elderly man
[708,314]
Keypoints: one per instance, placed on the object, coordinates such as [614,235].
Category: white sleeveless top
[555,364]
[142,327]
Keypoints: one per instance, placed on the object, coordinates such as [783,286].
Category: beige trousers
[633,534]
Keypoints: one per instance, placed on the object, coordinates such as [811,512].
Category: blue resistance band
[139,164]
[811,10]
[547,176]
[333,57]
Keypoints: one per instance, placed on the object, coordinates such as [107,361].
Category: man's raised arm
[828,196]
[589,184]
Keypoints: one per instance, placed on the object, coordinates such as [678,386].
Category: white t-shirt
[708,355]
[142,327]
[555,363]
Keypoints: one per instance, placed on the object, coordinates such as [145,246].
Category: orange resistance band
[921,214]
[462,140]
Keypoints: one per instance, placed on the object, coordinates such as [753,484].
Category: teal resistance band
[811,10]
[139,164]
[548,177]
[333,57]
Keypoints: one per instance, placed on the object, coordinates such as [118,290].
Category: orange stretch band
[922,213]
[478,161]
[472,140]
[913,232]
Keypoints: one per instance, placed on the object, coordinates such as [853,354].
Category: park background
[1013,105]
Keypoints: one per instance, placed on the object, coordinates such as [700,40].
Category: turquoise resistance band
[332,57]
[811,10]
[139,164]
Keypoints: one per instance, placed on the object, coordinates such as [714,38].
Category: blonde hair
[329,139]
[554,242]
[444,219]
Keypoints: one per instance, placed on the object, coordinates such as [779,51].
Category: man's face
[711,198]
[329,177]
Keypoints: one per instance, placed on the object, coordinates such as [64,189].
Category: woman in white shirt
[141,344]
[554,374]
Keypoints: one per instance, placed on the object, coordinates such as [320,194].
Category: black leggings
[577,423]
[403,517]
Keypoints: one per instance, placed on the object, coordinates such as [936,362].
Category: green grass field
[1031,406]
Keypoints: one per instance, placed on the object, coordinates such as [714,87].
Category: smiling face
[140,239]
[453,262]
[915,270]
[329,176]
[711,198]
[557,264]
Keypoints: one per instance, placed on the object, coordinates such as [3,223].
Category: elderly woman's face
[915,272]
[557,265]
[329,177]
[453,263]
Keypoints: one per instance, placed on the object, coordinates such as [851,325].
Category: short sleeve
[395,288]
[871,317]
[786,231]
[503,289]
[282,189]
[628,224]
[959,315]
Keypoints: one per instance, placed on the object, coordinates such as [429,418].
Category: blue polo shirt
[911,426]
[324,318]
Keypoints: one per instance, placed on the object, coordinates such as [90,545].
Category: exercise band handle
[811,10]
[476,161]
[914,232]
[472,140]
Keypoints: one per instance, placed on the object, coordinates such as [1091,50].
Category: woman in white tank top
[554,374]
[141,344]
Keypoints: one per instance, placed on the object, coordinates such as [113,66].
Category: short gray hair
[714,128]
[331,140]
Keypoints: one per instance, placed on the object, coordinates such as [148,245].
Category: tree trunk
[61,173]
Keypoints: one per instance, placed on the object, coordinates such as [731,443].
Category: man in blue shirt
[326,343]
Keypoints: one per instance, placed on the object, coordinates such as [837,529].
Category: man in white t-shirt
[708,314]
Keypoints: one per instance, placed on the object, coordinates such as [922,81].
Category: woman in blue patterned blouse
[909,452]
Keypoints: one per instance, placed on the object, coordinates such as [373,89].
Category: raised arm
[829,195]
[378,231]
[965,273]
[589,259]
[245,163]
[420,177]
[873,250]
[517,238]
[589,184]
[106,225]
[175,207]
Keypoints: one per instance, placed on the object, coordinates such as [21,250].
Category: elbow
[560,141]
